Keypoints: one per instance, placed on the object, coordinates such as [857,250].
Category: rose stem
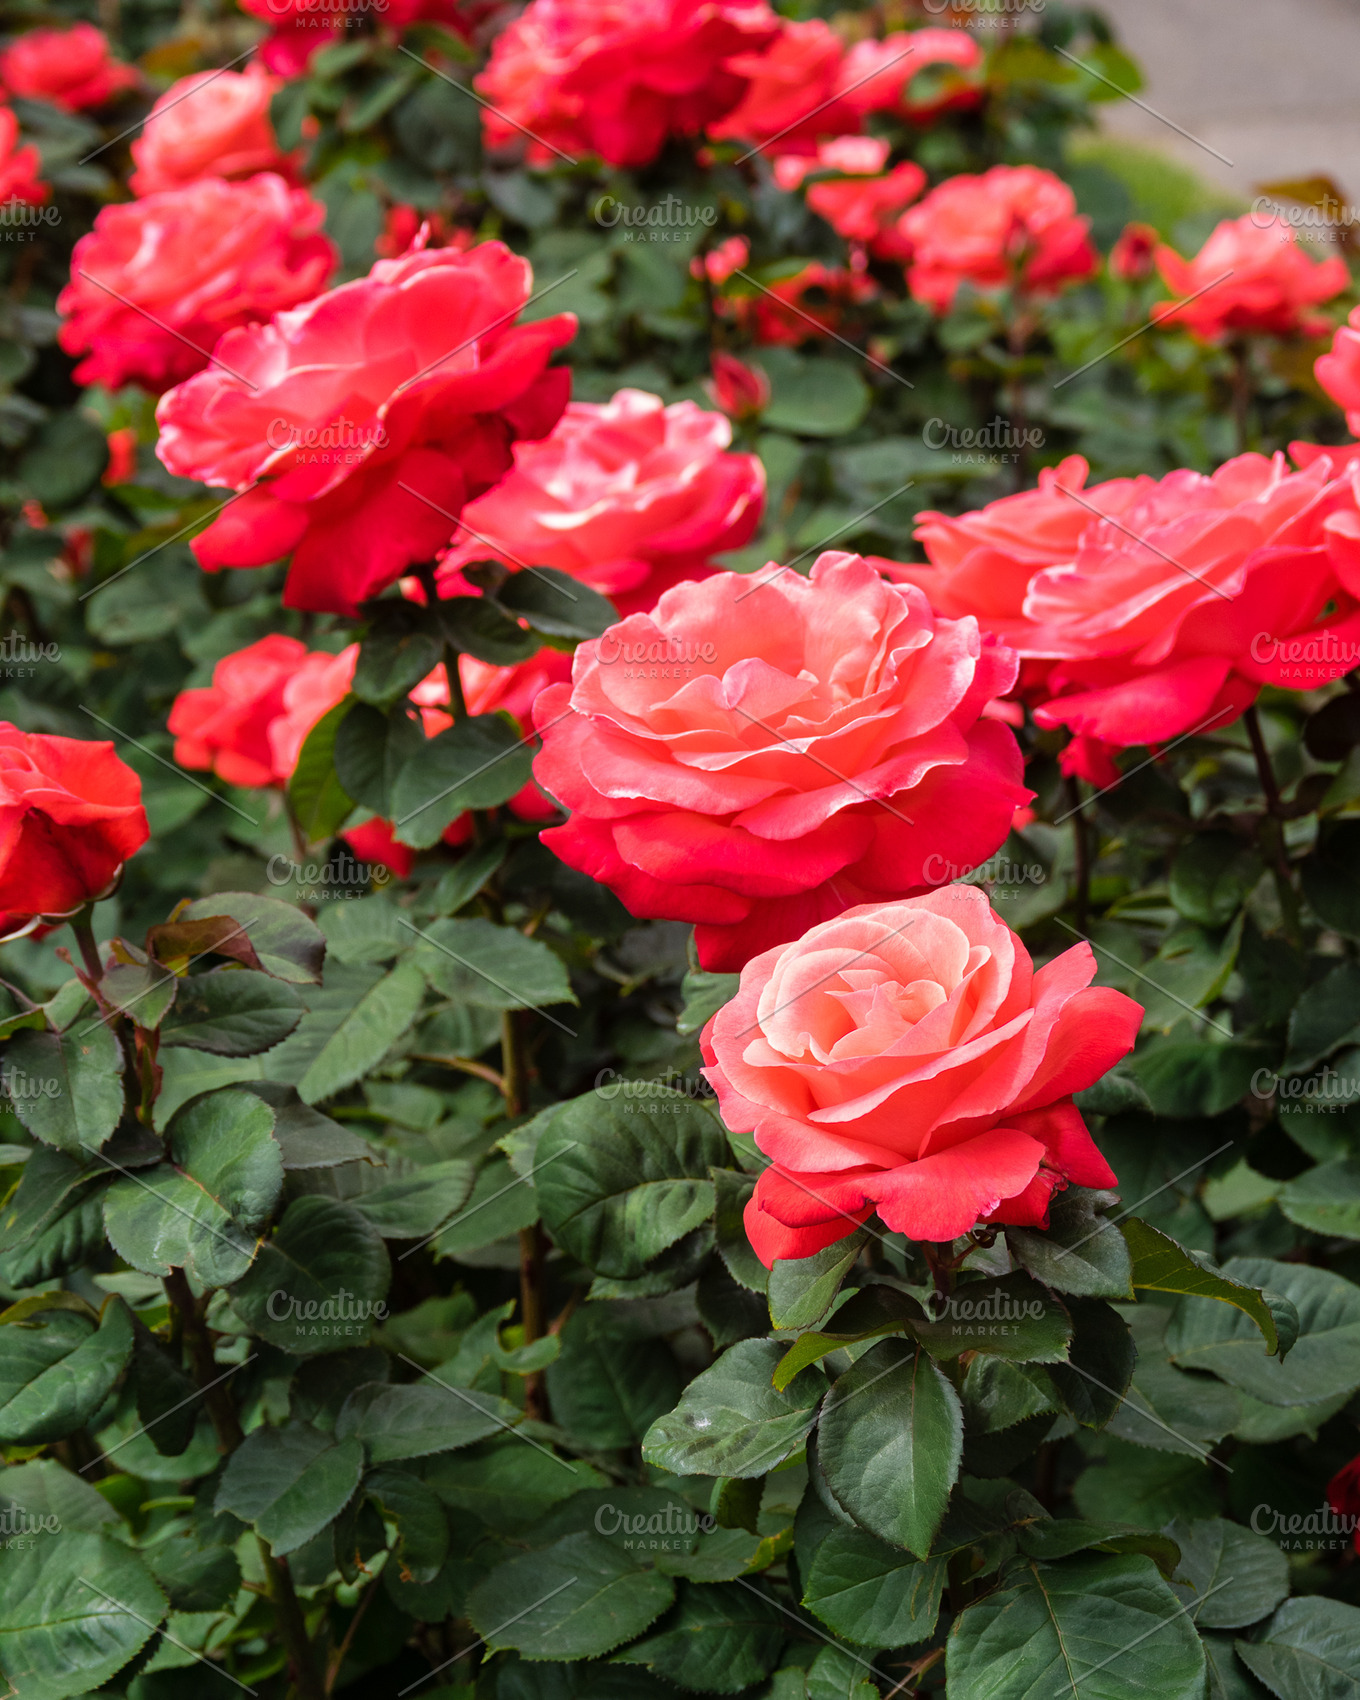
[1081,848]
[227,1427]
[1241,392]
[1274,823]
[531,1244]
[82,925]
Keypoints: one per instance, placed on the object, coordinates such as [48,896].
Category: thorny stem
[82,925]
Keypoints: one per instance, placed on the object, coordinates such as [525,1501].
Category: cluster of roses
[71,69]
[780,760]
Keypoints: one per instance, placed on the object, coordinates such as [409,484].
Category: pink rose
[788,98]
[213,124]
[1014,227]
[617,77]
[812,302]
[71,68]
[1338,371]
[1134,254]
[302,27]
[918,74]
[867,209]
[760,752]
[907,1057]
[629,495]
[359,425]
[157,282]
[1246,279]
[1171,613]
[19,166]
[719,263]
[741,391]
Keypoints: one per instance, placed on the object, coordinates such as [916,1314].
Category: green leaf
[290,1482]
[422,1418]
[401,1497]
[508,1485]
[232,1012]
[801,1289]
[202,1209]
[997,1395]
[478,626]
[731,1191]
[1212,875]
[1328,877]
[466,878]
[44,1488]
[1324,1362]
[167,1405]
[73,1612]
[317,1286]
[1325,1200]
[1081,1252]
[556,604]
[704,995]
[812,397]
[286,944]
[363,929]
[64,460]
[607,1387]
[366,1034]
[1131,1484]
[618,1186]
[731,1421]
[319,802]
[141,992]
[474,765]
[869,1593]
[414,1205]
[1326,1016]
[1310,1650]
[73,1085]
[57,1369]
[371,748]
[500,1204]
[396,653]
[1091,1385]
[1103,1628]
[866,1314]
[1229,1576]
[577,1599]
[719,1639]
[1009,1316]
[1162,1266]
[892,1459]
[53,1219]
[492,967]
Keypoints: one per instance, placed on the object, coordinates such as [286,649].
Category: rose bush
[72,68]
[1248,279]
[907,1058]
[214,124]
[756,755]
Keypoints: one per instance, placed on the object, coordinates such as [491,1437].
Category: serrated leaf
[414,1205]
[319,802]
[1228,1575]
[476,764]
[57,1369]
[871,1593]
[607,1387]
[801,1289]
[492,967]
[72,1085]
[1162,1266]
[288,1483]
[508,1485]
[1092,1383]
[317,1286]
[720,1639]
[286,944]
[422,1418]
[556,604]
[232,1012]
[1325,1199]
[1081,1252]
[731,1421]
[891,1459]
[1310,1650]
[366,1034]
[1009,1316]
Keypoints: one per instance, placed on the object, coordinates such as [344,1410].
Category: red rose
[302,27]
[70,68]
[1338,371]
[412,379]
[741,391]
[1172,613]
[718,264]
[158,281]
[629,495]
[1246,279]
[122,467]
[70,815]
[813,302]
[789,94]
[907,1057]
[1014,227]
[19,166]
[760,752]
[918,74]
[1343,1495]
[1134,254]
[617,77]
[213,124]
[867,209]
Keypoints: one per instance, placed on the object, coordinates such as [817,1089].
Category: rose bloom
[741,391]
[719,263]
[1134,254]
[908,1057]
[1338,371]
[789,94]
[213,124]
[760,752]
[19,166]
[122,467]
[302,27]
[812,302]
[1171,613]
[860,156]
[882,76]
[359,425]
[158,281]
[1343,1495]
[70,815]
[71,68]
[867,209]
[1270,289]
[617,77]
[1016,226]
[628,495]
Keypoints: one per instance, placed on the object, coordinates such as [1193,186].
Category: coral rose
[907,1057]
[629,495]
[813,302]
[359,425]
[867,209]
[917,74]
[213,124]
[70,815]
[19,166]
[1338,371]
[789,95]
[1249,279]
[157,282]
[617,77]
[1173,611]
[1015,226]
[759,753]
[71,68]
